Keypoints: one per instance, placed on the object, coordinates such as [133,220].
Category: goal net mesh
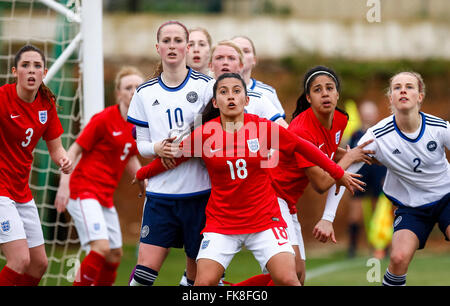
[32,22]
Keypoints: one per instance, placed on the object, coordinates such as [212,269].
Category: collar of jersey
[422,130]
[179,87]
[253,83]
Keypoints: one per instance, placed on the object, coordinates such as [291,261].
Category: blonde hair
[418,77]
[248,39]
[204,31]
[126,71]
[231,44]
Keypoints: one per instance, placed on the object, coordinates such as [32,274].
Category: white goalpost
[70,34]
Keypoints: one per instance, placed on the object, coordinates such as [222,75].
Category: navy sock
[143,276]
[390,279]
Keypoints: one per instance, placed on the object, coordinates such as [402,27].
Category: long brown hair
[43,89]
[159,68]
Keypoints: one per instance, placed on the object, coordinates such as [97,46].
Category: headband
[320,72]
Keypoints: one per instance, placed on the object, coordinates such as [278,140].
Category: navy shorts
[174,222]
[422,220]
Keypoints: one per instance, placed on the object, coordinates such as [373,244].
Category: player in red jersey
[27,112]
[318,120]
[107,149]
[242,208]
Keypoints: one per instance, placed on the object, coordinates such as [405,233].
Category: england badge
[43,116]
[338,136]
[5,226]
[253,145]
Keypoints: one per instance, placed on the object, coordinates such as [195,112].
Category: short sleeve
[54,127]
[136,111]
[446,136]
[89,136]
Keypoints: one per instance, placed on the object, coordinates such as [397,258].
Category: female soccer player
[200,44]
[28,112]
[248,49]
[226,56]
[107,148]
[243,209]
[411,144]
[318,120]
[174,212]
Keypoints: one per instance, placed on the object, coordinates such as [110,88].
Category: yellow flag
[381,227]
[354,121]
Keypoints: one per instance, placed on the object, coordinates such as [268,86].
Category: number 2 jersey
[242,198]
[108,144]
[22,125]
[418,173]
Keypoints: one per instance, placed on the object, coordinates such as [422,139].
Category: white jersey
[269,92]
[418,172]
[164,109]
[259,105]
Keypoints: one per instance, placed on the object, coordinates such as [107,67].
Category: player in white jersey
[226,57]
[174,212]
[248,49]
[411,144]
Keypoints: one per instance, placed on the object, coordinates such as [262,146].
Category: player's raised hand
[166,148]
[349,180]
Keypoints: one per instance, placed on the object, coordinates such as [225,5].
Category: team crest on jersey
[431,146]
[192,97]
[338,136]
[5,226]
[43,116]
[253,145]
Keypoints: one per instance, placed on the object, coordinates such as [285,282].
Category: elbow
[319,188]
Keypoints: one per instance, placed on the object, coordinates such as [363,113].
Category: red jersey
[289,178]
[242,198]
[22,125]
[108,144]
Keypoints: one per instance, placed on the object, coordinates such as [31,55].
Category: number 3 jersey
[164,109]
[22,125]
[418,173]
[108,144]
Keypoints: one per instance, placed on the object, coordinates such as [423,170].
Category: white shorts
[95,222]
[20,221]
[293,227]
[263,245]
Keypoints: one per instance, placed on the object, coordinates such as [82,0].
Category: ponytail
[302,105]
[47,94]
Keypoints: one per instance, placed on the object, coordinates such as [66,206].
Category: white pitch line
[330,268]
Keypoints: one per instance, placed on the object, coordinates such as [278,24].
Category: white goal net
[54,27]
